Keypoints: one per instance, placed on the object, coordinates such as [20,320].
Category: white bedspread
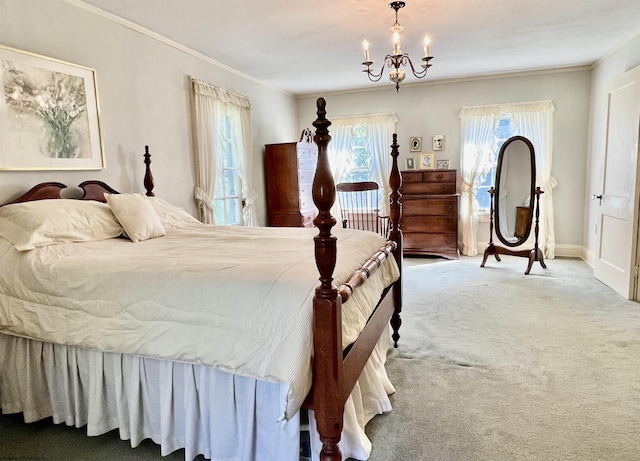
[239,299]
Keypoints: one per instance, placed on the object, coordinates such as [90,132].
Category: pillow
[136,216]
[171,216]
[39,223]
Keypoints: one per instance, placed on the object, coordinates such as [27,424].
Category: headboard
[92,190]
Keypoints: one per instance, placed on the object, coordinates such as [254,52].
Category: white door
[618,224]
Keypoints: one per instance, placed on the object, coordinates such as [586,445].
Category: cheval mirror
[515,203]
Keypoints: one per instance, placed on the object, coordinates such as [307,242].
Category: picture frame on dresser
[410,164]
[443,164]
[427,161]
[49,118]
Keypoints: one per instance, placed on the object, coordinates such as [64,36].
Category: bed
[101,332]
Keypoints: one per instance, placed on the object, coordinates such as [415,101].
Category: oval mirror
[514,191]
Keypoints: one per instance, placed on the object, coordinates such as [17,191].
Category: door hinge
[637,271]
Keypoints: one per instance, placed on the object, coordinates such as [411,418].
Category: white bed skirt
[177,405]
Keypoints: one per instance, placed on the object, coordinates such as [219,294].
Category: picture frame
[443,164]
[410,164]
[427,161]
[415,144]
[437,142]
[49,115]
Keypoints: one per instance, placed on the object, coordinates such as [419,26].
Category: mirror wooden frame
[532,217]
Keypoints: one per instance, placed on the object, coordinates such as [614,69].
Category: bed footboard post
[395,234]
[148,177]
[327,317]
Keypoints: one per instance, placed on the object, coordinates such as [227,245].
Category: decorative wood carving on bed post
[148,177]
[395,234]
[327,306]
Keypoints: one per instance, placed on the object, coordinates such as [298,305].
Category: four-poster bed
[315,348]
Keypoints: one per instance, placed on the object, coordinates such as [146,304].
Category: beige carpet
[495,365]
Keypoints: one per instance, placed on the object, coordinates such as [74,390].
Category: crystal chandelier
[398,58]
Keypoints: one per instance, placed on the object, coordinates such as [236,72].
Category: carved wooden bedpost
[395,234]
[148,177]
[327,309]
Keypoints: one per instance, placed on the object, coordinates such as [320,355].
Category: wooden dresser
[430,213]
[289,170]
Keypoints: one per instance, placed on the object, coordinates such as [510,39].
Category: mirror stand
[534,255]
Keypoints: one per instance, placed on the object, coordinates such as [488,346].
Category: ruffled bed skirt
[177,405]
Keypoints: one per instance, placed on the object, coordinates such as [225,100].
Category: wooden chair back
[359,207]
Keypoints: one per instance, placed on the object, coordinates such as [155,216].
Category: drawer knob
[439,177]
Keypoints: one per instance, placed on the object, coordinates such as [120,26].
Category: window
[504,130]
[358,165]
[223,156]
[359,151]
[227,201]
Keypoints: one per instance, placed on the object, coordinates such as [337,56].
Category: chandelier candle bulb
[427,41]
[365,45]
[396,44]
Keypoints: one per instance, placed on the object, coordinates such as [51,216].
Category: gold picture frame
[415,144]
[427,161]
[437,142]
[49,117]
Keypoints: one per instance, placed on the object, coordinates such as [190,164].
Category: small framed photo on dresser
[443,164]
[427,161]
[410,164]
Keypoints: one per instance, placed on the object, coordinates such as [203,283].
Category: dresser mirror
[515,202]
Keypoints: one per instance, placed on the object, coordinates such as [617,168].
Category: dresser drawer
[307,164]
[430,206]
[420,240]
[430,224]
[428,182]
[307,218]
[430,188]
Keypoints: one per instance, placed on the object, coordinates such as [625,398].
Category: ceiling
[315,46]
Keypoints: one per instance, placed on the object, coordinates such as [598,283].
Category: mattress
[238,299]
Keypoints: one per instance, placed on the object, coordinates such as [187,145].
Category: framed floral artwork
[49,117]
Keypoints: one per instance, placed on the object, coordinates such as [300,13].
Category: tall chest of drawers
[429,220]
[289,171]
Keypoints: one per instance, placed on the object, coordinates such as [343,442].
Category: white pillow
[136,215]
[171,216]
[39,223]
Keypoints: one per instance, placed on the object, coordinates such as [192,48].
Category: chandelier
[398,58]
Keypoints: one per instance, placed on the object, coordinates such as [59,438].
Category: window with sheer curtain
[360,150]
[222,131]
[483,130]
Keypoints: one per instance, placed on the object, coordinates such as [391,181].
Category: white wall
[430,108]
[624,59]
[144,99]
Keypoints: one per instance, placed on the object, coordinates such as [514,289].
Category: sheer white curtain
[210,105]
[534,121]
[380,129]
[478,143]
